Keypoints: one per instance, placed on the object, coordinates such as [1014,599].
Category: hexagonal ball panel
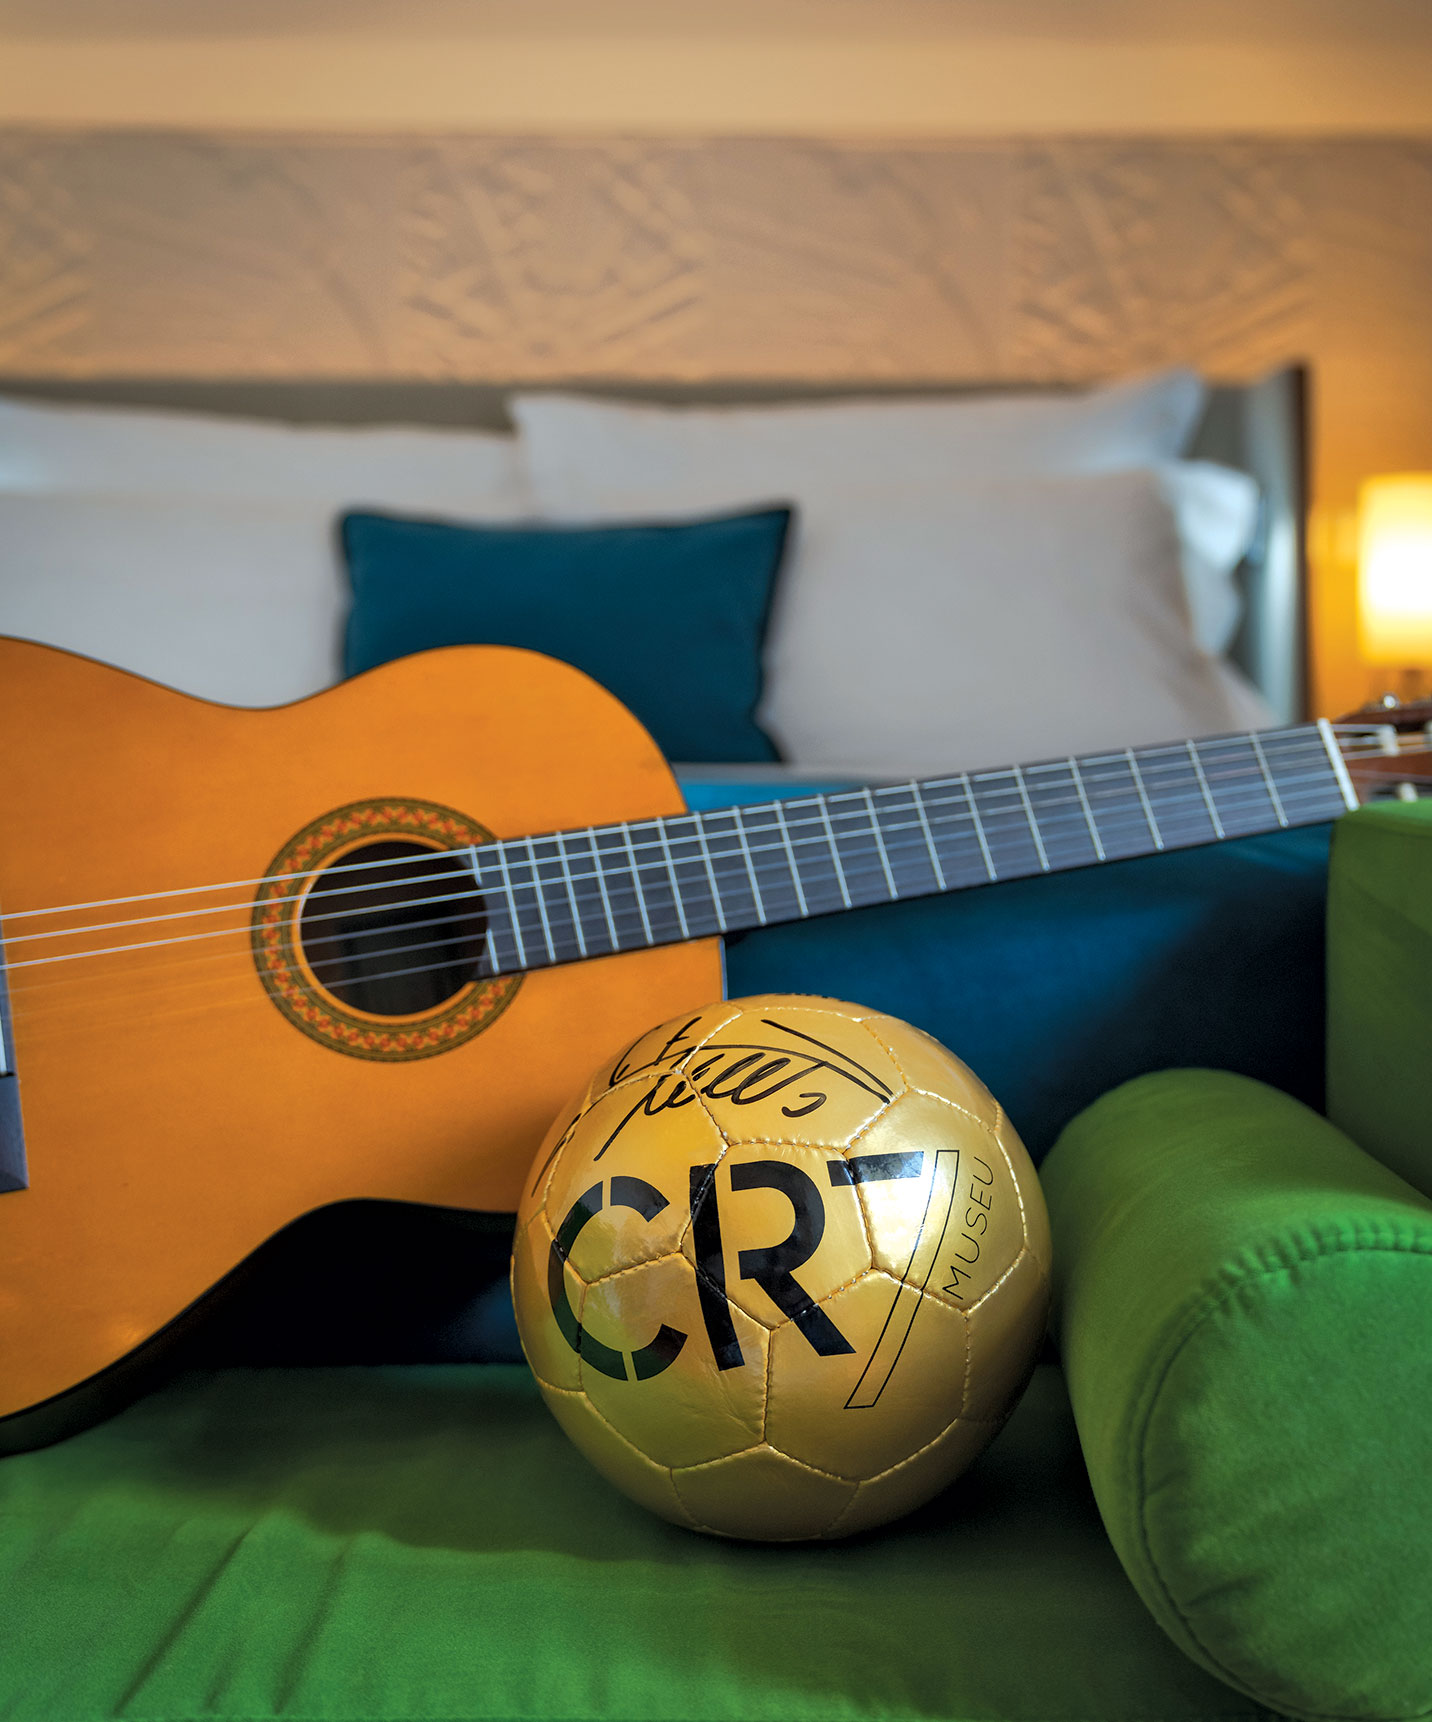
[984,1234]
[900,1385]
[619,1192]
[550,1357]
[905,1487]
[639,1478]
[925,1064]
[1036,1214]
[793,1070]
[906,1175]
[780,1230]
[671,1401]
[1006,1329]
[664,1047]
[762,1494]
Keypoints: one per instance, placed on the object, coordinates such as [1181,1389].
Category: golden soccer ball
[783,1268]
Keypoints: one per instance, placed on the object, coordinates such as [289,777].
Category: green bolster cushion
[1380,984]
[1244,1306]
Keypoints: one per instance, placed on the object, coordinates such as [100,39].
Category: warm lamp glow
[1394,569]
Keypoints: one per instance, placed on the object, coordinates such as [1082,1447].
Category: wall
[940,246]
[815,68]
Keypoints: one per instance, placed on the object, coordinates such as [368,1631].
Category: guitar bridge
[14,1174]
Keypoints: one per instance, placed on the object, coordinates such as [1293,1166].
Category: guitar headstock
[1387,748]
[1392,713]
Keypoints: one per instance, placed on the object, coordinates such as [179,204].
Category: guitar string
[1147,758]
[1047,805]
[991,791]
[981,805]
[999,841]
[537,883]
[1018,826]
[123,1004]
[122,1008]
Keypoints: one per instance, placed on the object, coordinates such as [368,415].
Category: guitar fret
[1239,792]
[1078,781]
[756,896]
[1337,763]
[513,911]
[821,867]
[692,875]
[737,871]
[542,905]
[1113,800]
[571,885]
[1310,782]
[1144,798]
[623,887]
[955,828]
[779,812]
[1203,786]
[910,858]
[1066,835]
[600,874]
[700,909]
[1029,815]
[716,903]
[1175,796]
[840,878]
[772,861]
[1268,779]
[880,843]
[980,832]
[680,907]
[636,881]
[919,801]
[1007,826]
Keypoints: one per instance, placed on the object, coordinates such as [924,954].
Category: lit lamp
[1394,576]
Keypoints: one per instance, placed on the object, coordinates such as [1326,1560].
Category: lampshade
[1394,569]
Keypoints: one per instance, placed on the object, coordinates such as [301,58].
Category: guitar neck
[574,894]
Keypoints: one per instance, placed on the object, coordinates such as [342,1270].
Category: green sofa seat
[367,1544]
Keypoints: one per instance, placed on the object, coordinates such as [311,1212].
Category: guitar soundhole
[394,928]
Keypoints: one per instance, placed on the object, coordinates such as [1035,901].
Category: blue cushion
[669,617]
[1055,989]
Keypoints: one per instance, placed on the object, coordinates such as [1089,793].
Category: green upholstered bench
[370,1544]
[379,1544]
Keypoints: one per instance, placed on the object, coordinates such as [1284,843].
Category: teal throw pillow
[1244,1307]
[668,617]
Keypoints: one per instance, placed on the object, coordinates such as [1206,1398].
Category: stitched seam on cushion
[1261,1714]
[1202,1314]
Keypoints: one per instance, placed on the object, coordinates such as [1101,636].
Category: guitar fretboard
[573,894]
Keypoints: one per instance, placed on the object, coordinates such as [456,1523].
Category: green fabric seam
[1364,895]
[1261,1714]
[1139,1454]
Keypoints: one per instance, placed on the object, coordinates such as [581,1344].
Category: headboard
[1260,427]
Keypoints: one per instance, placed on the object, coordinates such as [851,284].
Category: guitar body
[184,1101]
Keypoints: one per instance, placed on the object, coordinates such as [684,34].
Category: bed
[1259,428]
[1052,989]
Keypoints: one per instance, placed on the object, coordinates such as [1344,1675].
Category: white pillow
[122,452]
[591,459]
[1000,621]
[201,551]
[236,601]
[1216,514]
[595,458]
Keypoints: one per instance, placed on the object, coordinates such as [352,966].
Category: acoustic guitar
[365,946]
